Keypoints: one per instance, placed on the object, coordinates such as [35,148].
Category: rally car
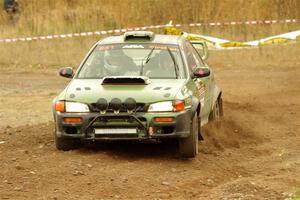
[138,86]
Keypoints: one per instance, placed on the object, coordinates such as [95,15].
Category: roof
[159,39]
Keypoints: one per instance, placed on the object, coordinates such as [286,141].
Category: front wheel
[188,147]
[217,112]
[66,144]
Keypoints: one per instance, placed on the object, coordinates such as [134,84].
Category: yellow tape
[235,44]
[275,40]
[173,31]
[189,37]
[217,44]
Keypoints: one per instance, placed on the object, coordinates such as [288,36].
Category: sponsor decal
[133,46]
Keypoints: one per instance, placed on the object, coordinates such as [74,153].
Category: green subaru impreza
[138,86]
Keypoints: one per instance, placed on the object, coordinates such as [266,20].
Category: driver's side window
[93,66]
[195,54]
[192,63]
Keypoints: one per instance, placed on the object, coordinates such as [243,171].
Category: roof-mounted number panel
[138,35]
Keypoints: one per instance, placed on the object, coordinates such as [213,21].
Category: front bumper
[146,127]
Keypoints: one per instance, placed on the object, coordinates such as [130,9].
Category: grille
[142,108]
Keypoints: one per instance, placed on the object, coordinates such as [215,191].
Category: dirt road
[254,155]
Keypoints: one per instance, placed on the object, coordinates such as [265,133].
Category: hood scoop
[125,80]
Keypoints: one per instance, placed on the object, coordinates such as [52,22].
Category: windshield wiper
[147,58]
[174,61]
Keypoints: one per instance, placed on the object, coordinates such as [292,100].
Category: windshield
[151,60]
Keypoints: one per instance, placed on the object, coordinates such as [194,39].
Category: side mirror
[200,72]
[201,47]
[66,72]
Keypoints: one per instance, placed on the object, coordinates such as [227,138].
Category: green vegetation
[296,195]
[41,17]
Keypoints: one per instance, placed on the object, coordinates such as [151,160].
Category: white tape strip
[83,34]
[217,43]
[105,32]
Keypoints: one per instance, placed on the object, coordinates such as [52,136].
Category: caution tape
[234,44]
[275,40]
[83,34]
[252,22]
[217,43]
[122,30]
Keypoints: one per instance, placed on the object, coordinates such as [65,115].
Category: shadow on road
[134,150]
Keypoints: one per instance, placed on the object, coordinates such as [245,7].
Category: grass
[36,54]
[295,196]
[285,56]
[70,52]
[41,17]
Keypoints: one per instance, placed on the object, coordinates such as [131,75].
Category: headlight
[76,107]
[166,106]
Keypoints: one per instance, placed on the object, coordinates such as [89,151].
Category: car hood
[90,90]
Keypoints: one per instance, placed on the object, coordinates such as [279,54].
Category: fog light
[116,105]
[72,120]
[164,119]
[102,105]
[130,104]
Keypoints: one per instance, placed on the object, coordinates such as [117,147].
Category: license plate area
[112,131]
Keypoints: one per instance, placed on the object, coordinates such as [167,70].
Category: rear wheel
[188,147]
[66,144]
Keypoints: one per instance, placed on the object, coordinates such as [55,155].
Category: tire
[217,111]
[188,147]
[66,144]
[200,137]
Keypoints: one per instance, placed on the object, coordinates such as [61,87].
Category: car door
[204,85]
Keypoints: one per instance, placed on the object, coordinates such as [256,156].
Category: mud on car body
[137,86]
